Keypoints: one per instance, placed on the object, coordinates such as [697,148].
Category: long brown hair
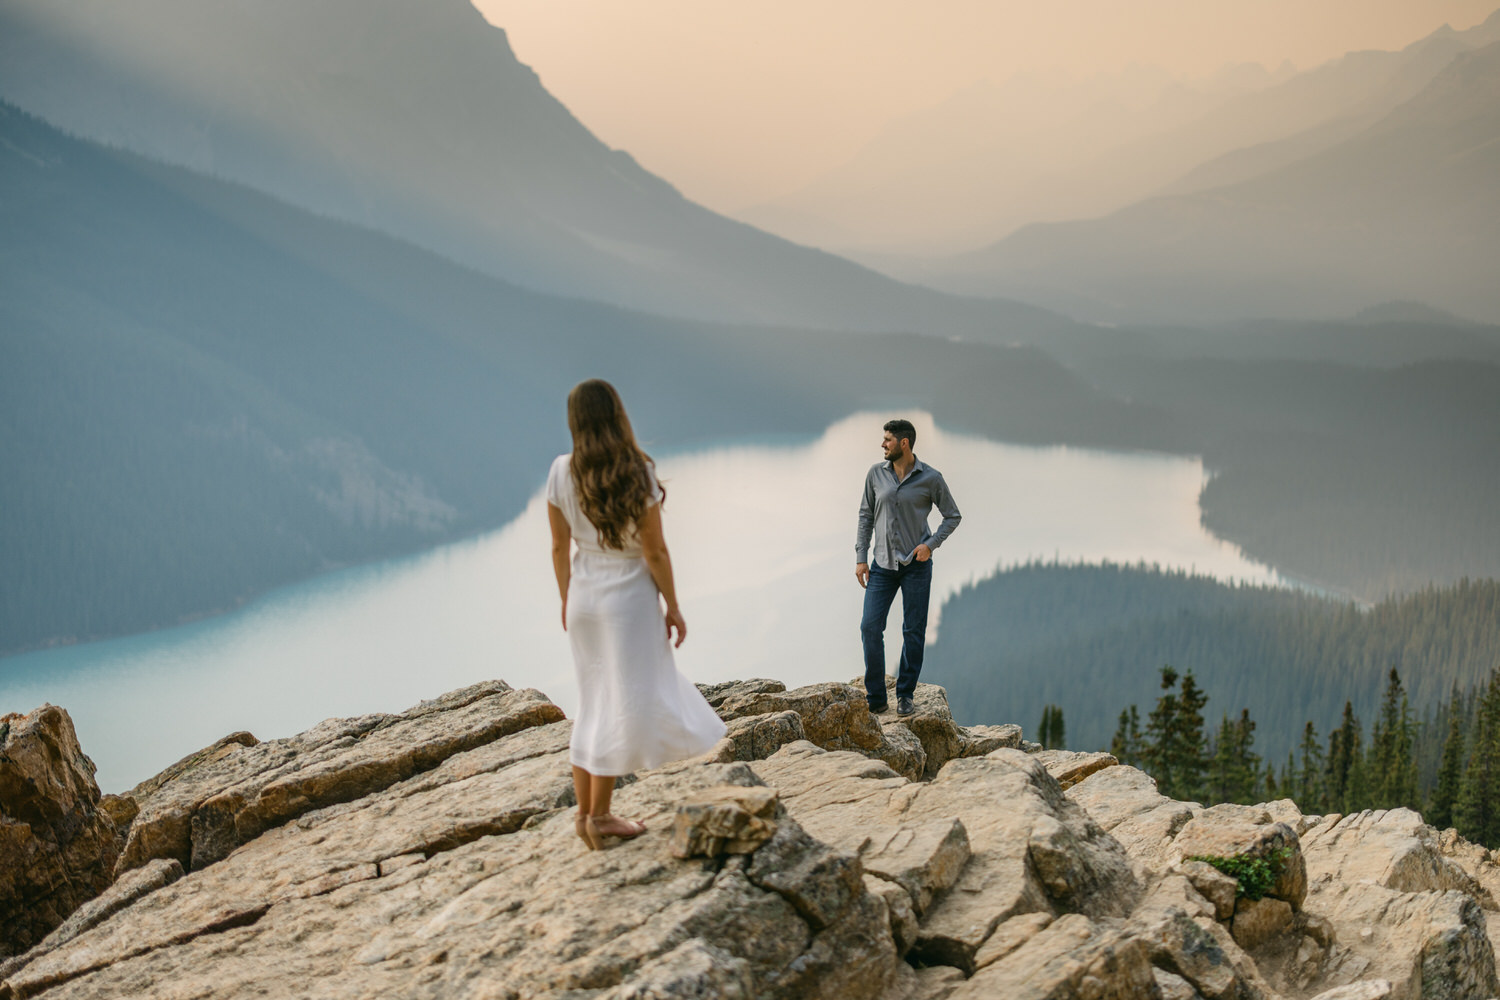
[609,469]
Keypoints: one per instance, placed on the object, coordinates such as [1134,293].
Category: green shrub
[1253,876]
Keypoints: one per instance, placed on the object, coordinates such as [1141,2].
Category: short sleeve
[653,487]
[554,480]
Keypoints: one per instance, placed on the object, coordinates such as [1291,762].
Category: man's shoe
[904,706]
[879,709]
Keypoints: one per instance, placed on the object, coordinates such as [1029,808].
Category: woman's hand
[674,620]
[565,614]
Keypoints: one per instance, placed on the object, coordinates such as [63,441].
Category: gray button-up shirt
[895,512]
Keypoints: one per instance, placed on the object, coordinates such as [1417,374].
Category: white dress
[635,710]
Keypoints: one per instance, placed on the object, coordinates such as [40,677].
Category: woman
[635,710]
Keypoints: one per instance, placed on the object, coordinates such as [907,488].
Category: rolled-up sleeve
[942,498]
[866,521]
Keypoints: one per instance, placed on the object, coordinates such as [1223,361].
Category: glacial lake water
[762,541]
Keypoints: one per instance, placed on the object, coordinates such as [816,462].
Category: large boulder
[1429,945]
[1029,850]
[1124,801]
[1390,847]
[203,812]
[57,840]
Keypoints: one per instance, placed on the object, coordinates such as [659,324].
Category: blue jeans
[914,580]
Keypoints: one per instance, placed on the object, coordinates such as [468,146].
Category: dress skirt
[635,710]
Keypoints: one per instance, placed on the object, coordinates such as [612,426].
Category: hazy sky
[738,101]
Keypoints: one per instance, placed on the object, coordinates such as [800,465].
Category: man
[899,493]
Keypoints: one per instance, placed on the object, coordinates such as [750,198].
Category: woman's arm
[659,561]
[562,565]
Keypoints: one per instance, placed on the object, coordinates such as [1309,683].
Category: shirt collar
[917,465]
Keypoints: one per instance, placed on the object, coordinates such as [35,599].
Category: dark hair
[902,429]
[608,467]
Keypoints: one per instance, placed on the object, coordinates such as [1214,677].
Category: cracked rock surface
[820,853]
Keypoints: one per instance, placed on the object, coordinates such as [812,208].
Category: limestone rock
[1176,943]
[1427,944]
[1031,850]
[218,750]
[1009,936]
[123,893]
[1125,802]
[201,814]
[1073,957]
[1069,767]
[899,910]
[694,968]
[1216,887]
[903,752]
[717,694]
[757,737]
[493,910]
[727,819]
[1246,831]
[1390,847]
[1258,922]
[1174,987]
[942,739]
[834,717]
[922,858]
[1365,989]
[57,846]
[936,982]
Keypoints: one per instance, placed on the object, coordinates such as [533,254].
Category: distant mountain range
[205,392]
[415,118]
[1405,208]
[1034,149]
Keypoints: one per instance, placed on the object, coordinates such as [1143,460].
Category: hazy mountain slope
[1408,209]
[993,158]
[414,117]
[205,392]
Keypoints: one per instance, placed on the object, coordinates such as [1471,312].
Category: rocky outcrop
[433,854]
[57,840]
[220,801]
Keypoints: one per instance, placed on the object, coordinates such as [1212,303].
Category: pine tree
[1344,775]
[1477,811]
[1308,790]
[1126,744]
[1174,750]
[1052,733]
[1450,773]
[1392,772]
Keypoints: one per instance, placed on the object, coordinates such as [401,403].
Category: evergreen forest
[1093,640]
